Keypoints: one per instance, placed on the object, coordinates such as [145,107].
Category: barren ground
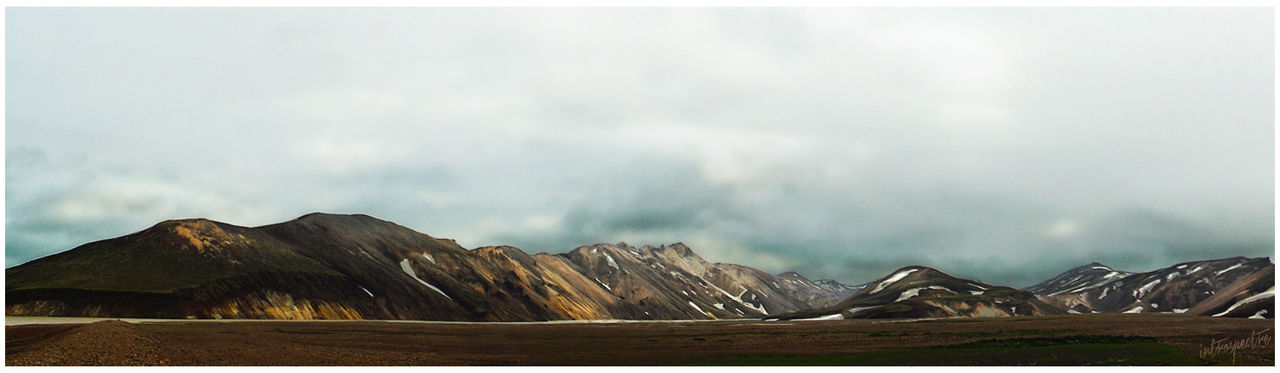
[1074,340]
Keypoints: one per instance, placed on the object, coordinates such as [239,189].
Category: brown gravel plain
[294,343]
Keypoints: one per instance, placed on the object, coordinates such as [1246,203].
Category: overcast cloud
[1005,145]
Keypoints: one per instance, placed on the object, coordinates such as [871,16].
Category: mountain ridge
[355,266]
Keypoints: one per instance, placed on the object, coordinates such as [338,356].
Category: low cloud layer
[1005,145]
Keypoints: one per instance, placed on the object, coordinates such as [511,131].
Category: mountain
[1078,279]
[839,288]
[1251,295]
[818,290]
[326,266]
[918,292]
[1175,289]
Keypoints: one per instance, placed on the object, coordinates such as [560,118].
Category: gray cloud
[1001,144]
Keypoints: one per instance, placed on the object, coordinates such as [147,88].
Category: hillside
[325,266]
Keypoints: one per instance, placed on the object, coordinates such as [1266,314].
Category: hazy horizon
[1004,145]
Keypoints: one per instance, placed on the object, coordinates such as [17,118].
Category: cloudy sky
[1005,145]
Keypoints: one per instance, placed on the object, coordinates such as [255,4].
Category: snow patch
[429,257]
[1180,310]
[892,279]
[834,316]
[720,306]
[698,308]
[911,293]
[1145,288]
[1134,310]
[1228,269]
[1259,315]
[404,265]
[611,262]
[1270,293]
[738,298]
[366,291]
[1073,311]
[855,310]
[908,294]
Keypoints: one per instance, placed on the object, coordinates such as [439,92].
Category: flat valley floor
[1137,339]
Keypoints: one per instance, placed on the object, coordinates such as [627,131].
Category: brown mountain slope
[1175,289]
[1245,297]
[325,266]
[921,292]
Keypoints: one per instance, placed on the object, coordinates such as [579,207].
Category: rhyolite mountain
[325,266]
[1078,279]
[1230,287]
[1237,286]
[923,292]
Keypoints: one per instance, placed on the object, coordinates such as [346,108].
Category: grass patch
[1073,350]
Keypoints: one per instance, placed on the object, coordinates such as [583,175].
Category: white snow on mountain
[1228,269]
[892,279]
[698,308]
[404,265]
[1270,293]
[834,316]
[611,262]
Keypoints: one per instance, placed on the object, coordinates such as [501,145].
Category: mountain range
[327,266]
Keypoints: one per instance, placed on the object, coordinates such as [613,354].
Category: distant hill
[1202,287]
[923,292]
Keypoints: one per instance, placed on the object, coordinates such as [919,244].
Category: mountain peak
[325,216]
[918,269]
[344,222]
[192,222]
[1095,266]
[679,247]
